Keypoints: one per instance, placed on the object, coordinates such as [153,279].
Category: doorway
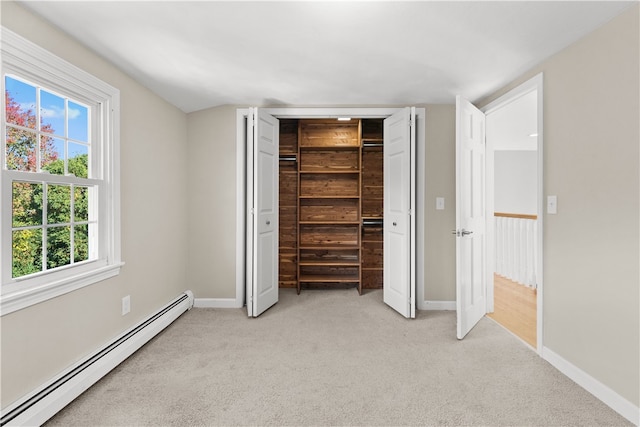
[514,211]
[328,113]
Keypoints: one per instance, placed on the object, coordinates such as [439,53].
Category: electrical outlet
[440,203]
[552,205]
[126,304]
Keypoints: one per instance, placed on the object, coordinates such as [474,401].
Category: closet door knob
[268,222]
[395,223]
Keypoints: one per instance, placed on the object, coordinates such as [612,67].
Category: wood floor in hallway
[515,308]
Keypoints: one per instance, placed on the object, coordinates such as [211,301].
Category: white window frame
[26,60]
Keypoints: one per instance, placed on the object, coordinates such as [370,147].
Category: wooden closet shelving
[372,203]
[288,209]
[329,203]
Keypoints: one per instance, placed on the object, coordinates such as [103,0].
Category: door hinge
[411,123]
[410,212]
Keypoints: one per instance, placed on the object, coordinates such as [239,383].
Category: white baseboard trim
[612,399]
[438,305]
[44,402]
[217,303]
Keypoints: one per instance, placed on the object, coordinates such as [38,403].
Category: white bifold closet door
[399,285]
[262,211]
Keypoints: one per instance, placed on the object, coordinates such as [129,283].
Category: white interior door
[470,216]
[399,219]
[262,215]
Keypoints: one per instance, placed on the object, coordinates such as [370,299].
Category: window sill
[19,300]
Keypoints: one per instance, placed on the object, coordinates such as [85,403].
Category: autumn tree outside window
[59,225]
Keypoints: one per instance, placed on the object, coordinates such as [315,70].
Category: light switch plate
[552,205]
[440,203]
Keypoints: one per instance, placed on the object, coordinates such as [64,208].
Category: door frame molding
[319,113]
[535,83]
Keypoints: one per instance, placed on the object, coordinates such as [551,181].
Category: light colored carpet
[333,358]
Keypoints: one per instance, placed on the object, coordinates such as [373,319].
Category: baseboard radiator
[45,402]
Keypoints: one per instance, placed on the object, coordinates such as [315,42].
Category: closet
[331,204]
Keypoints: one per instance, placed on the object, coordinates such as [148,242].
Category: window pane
[81,243]
[58,204]
[27,252]
[21,149]
[51,113]
[79,160]
[78,122]
[81,204]
[58,246]
[52,154]
[20,103]
[26,204]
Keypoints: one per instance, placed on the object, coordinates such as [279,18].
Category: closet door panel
[399,222]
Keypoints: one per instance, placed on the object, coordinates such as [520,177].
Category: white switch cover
[126,304]
[552,204]
[440,203]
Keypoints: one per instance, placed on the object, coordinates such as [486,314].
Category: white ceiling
[208,53]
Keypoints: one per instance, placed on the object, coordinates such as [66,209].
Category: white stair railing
[516,247]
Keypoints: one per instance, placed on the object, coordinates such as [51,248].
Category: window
[59,179]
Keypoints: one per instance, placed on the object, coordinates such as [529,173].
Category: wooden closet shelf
[328,278]
[329,247]
[332,263]
[327,171]
[344,147]
[370,241]
[329,197]
[329,222]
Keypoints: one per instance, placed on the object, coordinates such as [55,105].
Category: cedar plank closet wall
[331,204]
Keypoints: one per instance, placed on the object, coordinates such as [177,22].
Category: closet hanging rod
[372,144]
[288,158]
[372,222]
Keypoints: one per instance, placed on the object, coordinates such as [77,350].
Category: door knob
[268,222]
[466,233]
[395,223]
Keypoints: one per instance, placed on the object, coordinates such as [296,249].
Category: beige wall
[42,340]
[440,177]
[212,202]
[591,162]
